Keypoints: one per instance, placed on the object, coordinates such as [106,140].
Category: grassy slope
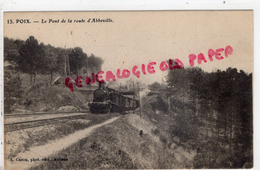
[51,98]
[119,145]
[44,98]
[39,79]
[19,141]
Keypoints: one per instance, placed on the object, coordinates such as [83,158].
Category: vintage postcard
[128,90]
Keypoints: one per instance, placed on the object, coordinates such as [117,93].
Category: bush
[155,131]
[12,91]
[159,104]
[52,98]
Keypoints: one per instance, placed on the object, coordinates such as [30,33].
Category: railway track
[42,113]
[9,127]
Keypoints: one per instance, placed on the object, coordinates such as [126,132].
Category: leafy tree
[12,90]
[11,51]
[155,86]
[178,78]
[227,94]
[52,60]
[32,57]
[76,58]
[94,63]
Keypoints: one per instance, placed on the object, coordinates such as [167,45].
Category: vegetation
[12,90]
[32,58]
[217,106]
[40,136]
[76,58]
[155,86]
[209,112]
[110,148]
[47,99]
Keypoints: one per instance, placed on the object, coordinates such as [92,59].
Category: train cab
[101,101]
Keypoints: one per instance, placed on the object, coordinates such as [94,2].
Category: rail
[9,127]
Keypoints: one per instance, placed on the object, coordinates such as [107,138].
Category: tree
[94,63]
[230,93]
[32,57]
[179,79]
[76,58]
[51,60]
[225,104]
[154,86]
[12,90]
[11,51]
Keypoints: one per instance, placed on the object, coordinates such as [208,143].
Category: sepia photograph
[128,90]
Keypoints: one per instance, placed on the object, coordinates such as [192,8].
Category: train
[106,100]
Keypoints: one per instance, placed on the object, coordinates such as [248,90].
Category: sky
[136,38]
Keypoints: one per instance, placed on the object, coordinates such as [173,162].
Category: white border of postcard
[132,5]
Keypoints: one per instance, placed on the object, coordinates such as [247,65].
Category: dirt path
[53,147]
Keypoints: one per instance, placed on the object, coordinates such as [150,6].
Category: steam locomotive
[107,100]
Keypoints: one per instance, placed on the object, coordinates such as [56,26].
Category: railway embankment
[50,99]
[19,141]
[32,157]
[134,141]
